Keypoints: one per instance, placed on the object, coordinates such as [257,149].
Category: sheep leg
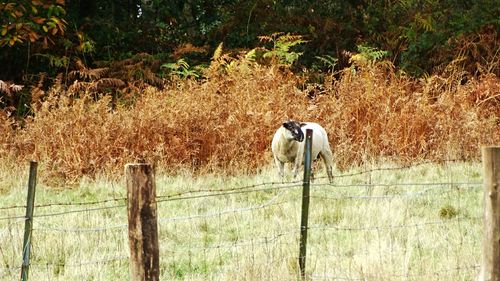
[327,156]
[281,168]
[298,162]
[296,168]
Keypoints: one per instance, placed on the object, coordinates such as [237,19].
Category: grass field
[222,215]
[416,223]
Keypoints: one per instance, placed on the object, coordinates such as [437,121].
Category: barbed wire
[446,184]
[80,203]
[270,202]
[78,211]
[81,230]
[176,196]
[162,199]
[230,192]
[402,167]
[16,220]
[242,190]
[89,262]
[392,196]
[9,225]
[371,228]
[351,255]
[437,272]
[226,190]
[65,204]
[217,214]
[239,210]
[12,218]
[373,197]
[273,201]
[265,240]
[13,207]
[248,188]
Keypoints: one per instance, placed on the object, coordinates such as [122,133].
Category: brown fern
[183,49]
[106,83]
[270,38]
[88,74]
[78,86]
[9,88]
[4,87]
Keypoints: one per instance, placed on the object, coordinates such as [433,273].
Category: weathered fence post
[305,204]
[490,267]
[142,223]
[28,224]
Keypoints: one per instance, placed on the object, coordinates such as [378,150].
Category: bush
[227,120]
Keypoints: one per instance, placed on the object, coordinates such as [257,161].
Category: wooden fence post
[305,204]
[142,223]
[28,224]
[490,267]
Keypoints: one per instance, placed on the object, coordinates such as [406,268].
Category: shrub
[226,121]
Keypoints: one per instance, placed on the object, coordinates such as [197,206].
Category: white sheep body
[288,150]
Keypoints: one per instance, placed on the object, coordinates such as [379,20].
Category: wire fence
[385,223]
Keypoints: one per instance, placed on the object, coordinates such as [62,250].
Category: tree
[33,21]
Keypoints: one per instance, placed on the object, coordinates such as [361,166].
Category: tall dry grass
[227,120]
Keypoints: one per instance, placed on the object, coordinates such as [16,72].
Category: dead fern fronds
[89,74]
[184,49]
[78,86]
[270,38]
[36,96]
[106,83]
[9,88]
[479,51]
[372,114]
[122,63]
[58,81]
[218,52]
[151,78]
[219,64]
[80,65]
[16,88]
[4,87]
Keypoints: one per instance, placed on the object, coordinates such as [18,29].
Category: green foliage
[371,54]
[182,69]
[428,27]
[55,61]
[40,20]
[419,36]
[328,61]
[85,44]
[281,52]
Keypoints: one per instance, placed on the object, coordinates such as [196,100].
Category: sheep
[288,146]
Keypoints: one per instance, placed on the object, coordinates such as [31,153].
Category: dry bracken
[226,121]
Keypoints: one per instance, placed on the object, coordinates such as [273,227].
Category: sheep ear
[286,125]
[302,124]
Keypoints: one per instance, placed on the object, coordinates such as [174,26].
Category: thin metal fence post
[305,204]
[28,225]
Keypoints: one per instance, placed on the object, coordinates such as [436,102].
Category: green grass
[358,230]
